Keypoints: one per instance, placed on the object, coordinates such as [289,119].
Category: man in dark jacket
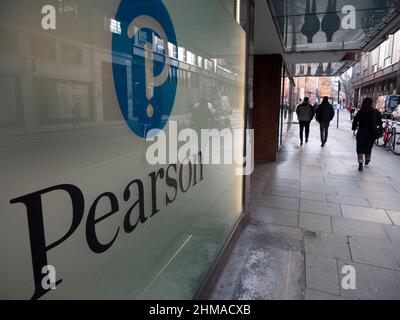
[325,114]
[305,113]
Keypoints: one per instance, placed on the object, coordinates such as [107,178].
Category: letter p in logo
[145,76]
[152,81]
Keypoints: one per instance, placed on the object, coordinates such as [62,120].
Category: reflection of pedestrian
[201,119]
[76,112]
[305,113]
[369,123]
[201,116]
[325,114]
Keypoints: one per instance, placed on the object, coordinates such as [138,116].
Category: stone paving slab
[341,183]
[394,216]
[377,253]
[365,214]
[344,192]
[376,178]
[276,230]
[372,283]
[317,188]
[282,191]
[371,186]
[255,281]
[273,240]
[328,245]
[278,174]
[314,222]
[349,175]
[259,270]
[312,181]
[283,182]
[279,202]
[393,233]
[382,204]
[313,196]
[276,216]
[320,207]
[364,229]
[315,295]
[396,186]
[314,173]
[350,200]
[322,274]
[380,194]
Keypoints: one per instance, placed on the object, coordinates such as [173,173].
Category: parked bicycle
[390,138]
[394,142]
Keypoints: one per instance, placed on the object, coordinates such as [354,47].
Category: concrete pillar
[265,116]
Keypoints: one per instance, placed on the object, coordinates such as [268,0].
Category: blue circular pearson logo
[145,76]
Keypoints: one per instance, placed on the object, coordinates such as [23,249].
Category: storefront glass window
[79,95]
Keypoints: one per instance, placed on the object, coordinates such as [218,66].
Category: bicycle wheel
[380,142]
[394,143]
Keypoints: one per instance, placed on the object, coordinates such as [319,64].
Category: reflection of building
[314,87]
[287,106]
[377,74]
[325,88]
[56,79]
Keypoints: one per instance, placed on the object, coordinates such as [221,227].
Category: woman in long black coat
[367,120]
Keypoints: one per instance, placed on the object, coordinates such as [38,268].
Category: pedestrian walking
[351,110]
[76,112]
[325,114]
[202,116]
[369,123]
[305,113]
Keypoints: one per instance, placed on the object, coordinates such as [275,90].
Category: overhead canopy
[331,31]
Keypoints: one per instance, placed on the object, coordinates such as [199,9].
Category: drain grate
[310,234]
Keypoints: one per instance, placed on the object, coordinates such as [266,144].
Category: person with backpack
[325,114]
[370,127]
[305,113]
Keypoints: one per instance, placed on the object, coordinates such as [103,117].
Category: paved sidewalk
[316,215]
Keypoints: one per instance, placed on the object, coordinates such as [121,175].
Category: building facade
[377,73]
